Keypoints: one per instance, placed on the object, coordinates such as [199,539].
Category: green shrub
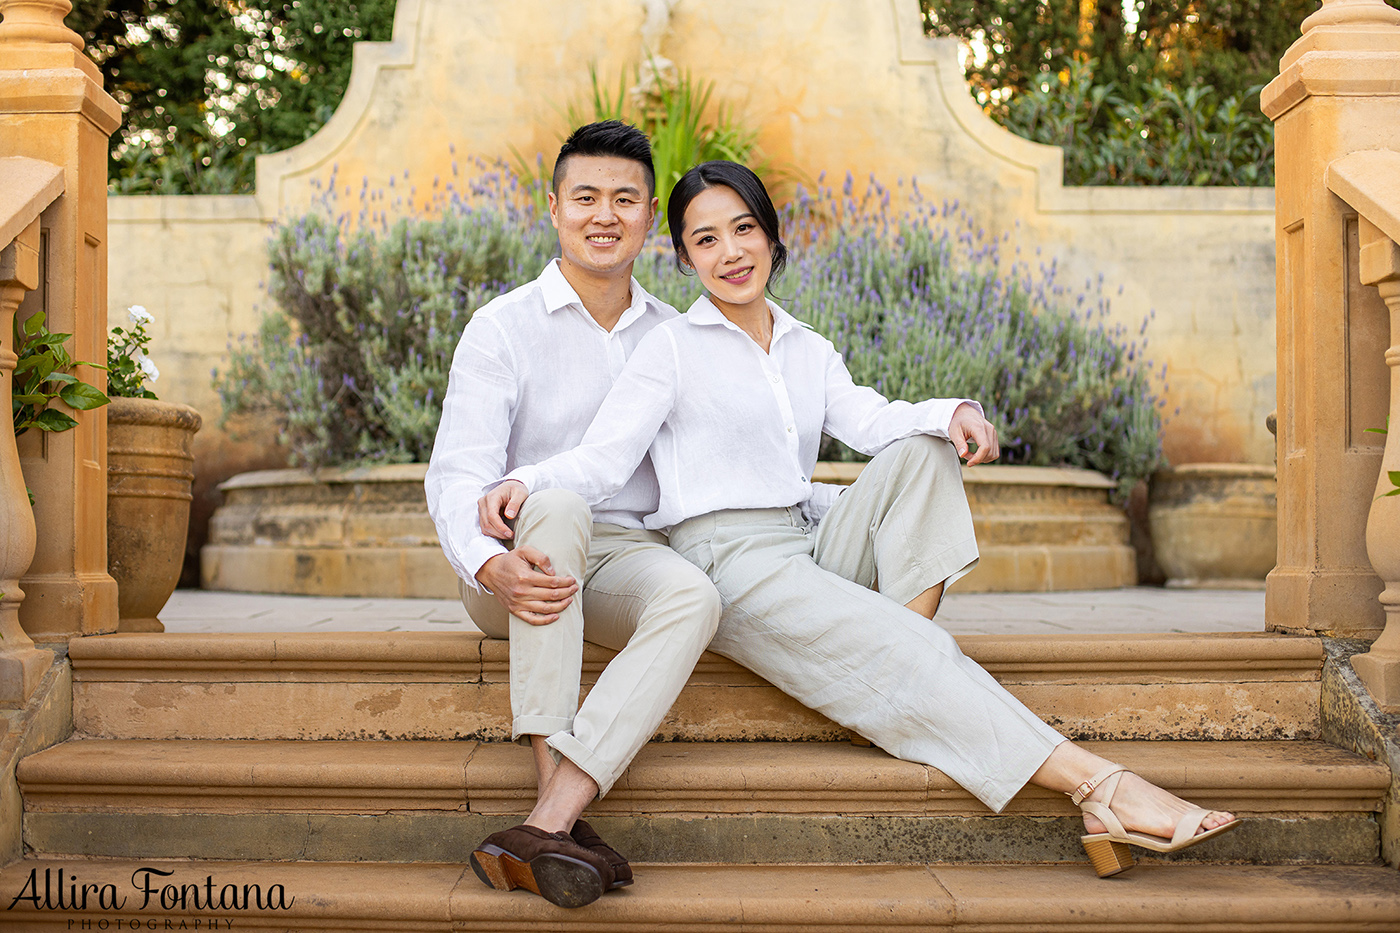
[1168,136]
[1137,92]
[673,109]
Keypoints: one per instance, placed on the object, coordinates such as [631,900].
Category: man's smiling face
[603,212]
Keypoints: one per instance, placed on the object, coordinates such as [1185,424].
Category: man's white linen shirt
[729,426]
[528,375]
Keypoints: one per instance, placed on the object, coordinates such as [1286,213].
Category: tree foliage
[1137,91]
[207,85]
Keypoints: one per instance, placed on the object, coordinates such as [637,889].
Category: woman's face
[727,248]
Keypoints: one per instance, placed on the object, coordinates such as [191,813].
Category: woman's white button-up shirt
[729,426]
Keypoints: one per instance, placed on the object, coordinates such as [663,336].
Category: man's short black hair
[607,138]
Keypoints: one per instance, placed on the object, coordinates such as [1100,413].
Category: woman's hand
[969,425]
[499,506]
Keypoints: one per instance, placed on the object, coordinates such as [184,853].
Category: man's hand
[524,582]
[499,506]
[968,425]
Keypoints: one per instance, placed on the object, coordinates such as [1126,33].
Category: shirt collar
[558,293]
[704,311]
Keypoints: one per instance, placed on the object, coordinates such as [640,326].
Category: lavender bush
[353,363]
[920,302]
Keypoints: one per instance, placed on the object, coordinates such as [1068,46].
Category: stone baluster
[21,664]
[1379,668]
[39,21]
[1337,93]
[53,109]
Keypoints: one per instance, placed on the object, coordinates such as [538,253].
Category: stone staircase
[357,771]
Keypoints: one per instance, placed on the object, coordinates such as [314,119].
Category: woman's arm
[615,442]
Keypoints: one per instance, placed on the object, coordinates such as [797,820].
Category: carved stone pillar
[21,664]
[1379,668]
[1338,91]
[53,108]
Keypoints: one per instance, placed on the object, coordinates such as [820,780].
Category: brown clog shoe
[585,836]
[551,865]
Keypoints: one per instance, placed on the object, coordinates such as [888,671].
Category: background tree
[1137,91]
[207,85]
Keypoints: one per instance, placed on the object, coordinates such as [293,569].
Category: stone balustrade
[27,187]
[54,110]
[1369,183]
[1336,109]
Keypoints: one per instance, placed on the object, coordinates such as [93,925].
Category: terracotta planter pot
[150,468]
[365,532]
[1215,524]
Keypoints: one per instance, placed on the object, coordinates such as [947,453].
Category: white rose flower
[139,315]
[148,367]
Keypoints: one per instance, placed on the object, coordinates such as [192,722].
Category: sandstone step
[351,898]
[679,802]
[431,685]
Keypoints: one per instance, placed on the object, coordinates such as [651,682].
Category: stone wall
[834,86]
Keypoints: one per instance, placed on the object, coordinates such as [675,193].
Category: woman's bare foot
[1143,807]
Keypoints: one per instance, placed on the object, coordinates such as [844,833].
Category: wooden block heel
[1107,856]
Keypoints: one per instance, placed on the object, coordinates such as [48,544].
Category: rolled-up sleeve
[865,420]
[470,448]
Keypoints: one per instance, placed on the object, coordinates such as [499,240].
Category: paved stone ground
[1131,609]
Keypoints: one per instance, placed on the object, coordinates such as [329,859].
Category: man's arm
[469,452]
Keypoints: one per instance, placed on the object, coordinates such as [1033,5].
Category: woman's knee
[924,449]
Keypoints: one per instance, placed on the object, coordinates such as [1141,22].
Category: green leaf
[83,397]
[1394,477]
[33,323]
[62,378]
[47,340]
[51,419]
[1377,431]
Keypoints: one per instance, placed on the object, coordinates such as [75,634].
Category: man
[530,372]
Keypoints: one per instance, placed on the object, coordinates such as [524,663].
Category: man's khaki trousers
[639,598]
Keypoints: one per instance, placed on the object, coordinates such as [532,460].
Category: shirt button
[789,429]
[776,379]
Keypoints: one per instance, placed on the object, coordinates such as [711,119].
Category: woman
[732,399]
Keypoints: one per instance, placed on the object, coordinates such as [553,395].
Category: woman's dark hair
[607,138]
[742,182]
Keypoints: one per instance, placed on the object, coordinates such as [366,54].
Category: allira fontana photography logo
[151,890]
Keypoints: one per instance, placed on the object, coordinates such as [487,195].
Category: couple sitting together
[610,470]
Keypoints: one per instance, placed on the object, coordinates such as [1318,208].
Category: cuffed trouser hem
[526,726]
[590,764]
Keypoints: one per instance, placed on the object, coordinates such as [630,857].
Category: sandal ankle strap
[1080,793]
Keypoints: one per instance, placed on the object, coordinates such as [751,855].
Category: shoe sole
[559,879]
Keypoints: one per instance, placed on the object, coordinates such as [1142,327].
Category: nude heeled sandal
[1109,851]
